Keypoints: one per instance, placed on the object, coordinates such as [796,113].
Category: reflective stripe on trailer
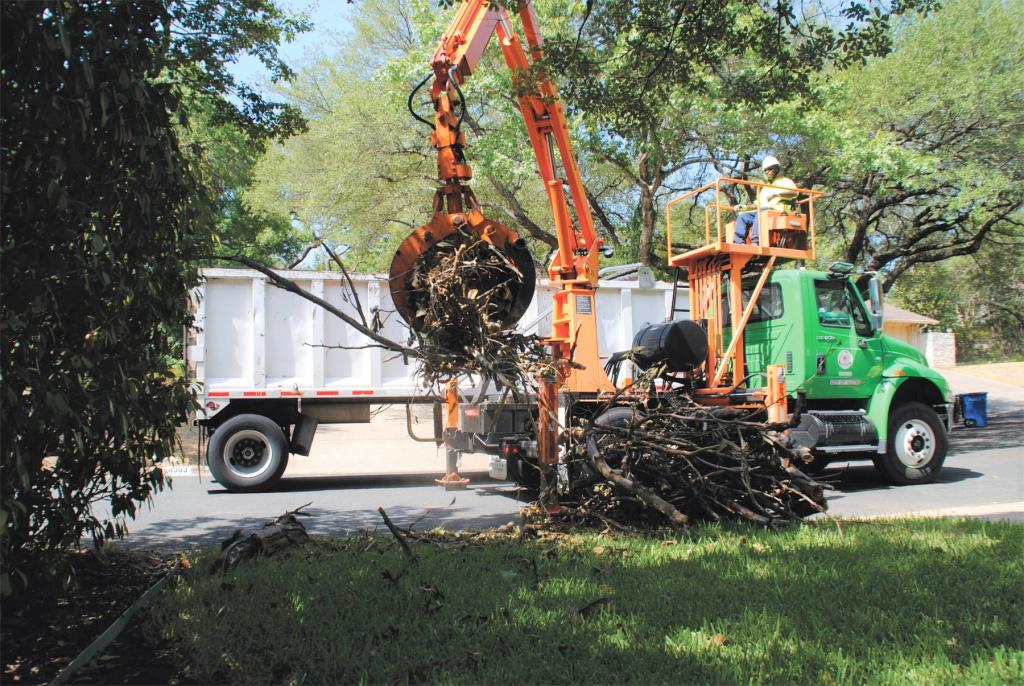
[290,393]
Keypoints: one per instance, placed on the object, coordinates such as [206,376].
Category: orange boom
[574,264]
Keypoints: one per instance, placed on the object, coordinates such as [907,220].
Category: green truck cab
[855,392]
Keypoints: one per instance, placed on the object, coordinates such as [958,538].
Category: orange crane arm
[457,56]
[574,265]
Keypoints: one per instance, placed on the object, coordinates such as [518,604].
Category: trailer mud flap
[302,436]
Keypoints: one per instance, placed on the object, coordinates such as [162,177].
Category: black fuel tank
[681,345]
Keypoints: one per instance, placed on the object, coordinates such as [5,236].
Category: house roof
[897,315]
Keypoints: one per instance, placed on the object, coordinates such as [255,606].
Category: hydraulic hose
[413,95]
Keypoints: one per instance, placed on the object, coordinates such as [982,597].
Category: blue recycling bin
[975,408]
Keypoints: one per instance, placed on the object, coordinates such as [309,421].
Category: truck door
[769,334]
[846,352]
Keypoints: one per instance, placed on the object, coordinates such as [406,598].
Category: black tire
[523,472]
[916,446]
[247,453]
[618,417]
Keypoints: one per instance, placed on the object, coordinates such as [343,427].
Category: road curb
[987,510]
[103,641]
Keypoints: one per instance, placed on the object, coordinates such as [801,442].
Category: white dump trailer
[272,365]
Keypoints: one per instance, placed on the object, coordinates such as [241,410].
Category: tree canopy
[922,151]
[906,115]
[653,88]
[103,219]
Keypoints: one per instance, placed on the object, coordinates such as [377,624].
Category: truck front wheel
[247,453]
[916,447]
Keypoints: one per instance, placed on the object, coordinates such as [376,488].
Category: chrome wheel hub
[248,453]
[914,443]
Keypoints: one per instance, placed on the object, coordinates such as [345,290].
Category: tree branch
[292,287]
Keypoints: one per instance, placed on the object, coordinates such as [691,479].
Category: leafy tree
[224,157]
[662,87]
[353,177]
[978,297]
[638,137]
[206,36]
[364,174]
[101,215]
[923,150]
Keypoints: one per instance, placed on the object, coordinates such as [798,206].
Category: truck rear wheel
[524,472]
[247,453]
[916,447]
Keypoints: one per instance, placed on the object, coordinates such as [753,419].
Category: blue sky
[330,18]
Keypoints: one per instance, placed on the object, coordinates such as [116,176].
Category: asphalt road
[983,476]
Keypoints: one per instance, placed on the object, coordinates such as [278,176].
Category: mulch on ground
[44,630]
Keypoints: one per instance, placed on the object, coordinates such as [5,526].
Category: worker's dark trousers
[746,221]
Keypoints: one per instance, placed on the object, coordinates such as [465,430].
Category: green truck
[852,393]
[856,393]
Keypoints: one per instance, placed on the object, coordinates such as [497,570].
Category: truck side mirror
[875,294]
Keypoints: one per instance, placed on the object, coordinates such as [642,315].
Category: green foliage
[979,297]
[97,224]
[894,602]
[628,61]
[672,93]
[921,151]
[353,177]
[227,123]
[363,175]
[642,80]
[101,217]
[206,36]
[224,156]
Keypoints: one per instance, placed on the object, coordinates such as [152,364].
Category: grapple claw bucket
[517,284]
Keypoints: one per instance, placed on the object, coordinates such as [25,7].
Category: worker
[771,197]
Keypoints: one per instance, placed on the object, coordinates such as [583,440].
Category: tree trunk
[645,249]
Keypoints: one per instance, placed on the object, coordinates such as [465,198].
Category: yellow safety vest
[776,198]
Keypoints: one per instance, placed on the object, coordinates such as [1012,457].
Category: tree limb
[292,287]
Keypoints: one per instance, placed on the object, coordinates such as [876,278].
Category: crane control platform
[715,271]
[786,234]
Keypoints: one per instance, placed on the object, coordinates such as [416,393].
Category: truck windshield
[839,308]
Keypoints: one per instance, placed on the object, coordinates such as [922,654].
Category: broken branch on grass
[396,532]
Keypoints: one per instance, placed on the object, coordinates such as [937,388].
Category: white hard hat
[769,162]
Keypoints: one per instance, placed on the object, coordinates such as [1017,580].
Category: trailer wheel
[247,453]
[916,447]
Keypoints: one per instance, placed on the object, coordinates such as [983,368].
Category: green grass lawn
[883,602]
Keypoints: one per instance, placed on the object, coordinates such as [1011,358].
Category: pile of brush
[673,465]
[461,291]
[685,463]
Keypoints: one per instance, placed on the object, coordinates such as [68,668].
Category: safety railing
[787,233]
